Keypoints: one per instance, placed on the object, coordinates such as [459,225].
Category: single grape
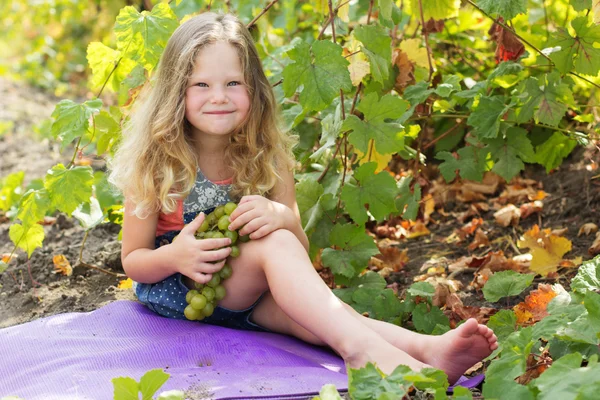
[233,235]
[198,302]
[223,223]
[211,218]
[208,309]
[214,282]
[209,293]
[200,235]
[191,313]
[204,226]
[225,271]
[235,251]
[229,208]
[219,211]
[199,285]
[190,294]
[220,292]
[245,238]
[217,235]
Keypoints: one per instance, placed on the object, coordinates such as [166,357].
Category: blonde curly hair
[155,164]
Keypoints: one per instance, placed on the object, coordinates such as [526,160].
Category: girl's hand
[198,259]
[259,216]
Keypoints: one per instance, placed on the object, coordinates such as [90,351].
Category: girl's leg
[303,296]
[453,352]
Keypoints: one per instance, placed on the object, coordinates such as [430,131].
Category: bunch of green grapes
[204,298]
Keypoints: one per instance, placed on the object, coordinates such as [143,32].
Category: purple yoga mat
[75,356]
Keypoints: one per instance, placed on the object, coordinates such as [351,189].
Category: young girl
[207,134]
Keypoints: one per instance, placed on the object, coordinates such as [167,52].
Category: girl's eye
[201,84]
[236,83]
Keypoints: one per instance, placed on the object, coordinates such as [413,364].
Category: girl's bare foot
[385,357]
[459,349]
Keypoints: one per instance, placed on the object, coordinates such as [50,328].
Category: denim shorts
[167,298]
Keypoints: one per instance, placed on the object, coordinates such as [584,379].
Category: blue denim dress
[167,297]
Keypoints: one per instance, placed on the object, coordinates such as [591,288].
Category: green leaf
[10,190]
[388,136]
[27,238]
[133,80]
[506,283]
[89,214]
[551,153]
[436,9]
[471,163]
[387,305]
[125,388]
[331,125]
[151,382]
[513,358]
[546,100]
[356,248]
[143,36]
[506,68]
[171,395]
[102,60]
[308,194]
[108,131]
[578,51]
[580,5]
[407,202]
[566,379]
[503,323]
[104,192]
[329,392]
[586,328]
[462,393]
[451,83]
[425,320]
[499,387]
[68,188]
[377,45]
[321,69]
[33,206]
[510,152]
[485,120]
[422,289]
[508,9]
[385,7]
[376,190]
[71,120]
[588,276]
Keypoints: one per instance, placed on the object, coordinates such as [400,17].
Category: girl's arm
[141,262]
[285,193]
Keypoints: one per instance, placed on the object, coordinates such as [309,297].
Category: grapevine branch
[264,10]
[426,40]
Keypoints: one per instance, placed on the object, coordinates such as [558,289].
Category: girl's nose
[219,97]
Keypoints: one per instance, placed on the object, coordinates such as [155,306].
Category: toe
[469,328]
[488,333]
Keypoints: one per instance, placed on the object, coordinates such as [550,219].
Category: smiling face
[216,98]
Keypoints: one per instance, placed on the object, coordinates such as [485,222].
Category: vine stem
[426,40]
[443,135]
[264,10]
[82,263]
[337,8]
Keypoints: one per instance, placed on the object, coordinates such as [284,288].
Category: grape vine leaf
[10,189]
[566,379]
[388,136]
[408,202]
[377,46]
[125,388]
[308,194]
[103,60]
[425,319]
[322,71]
[355,250]
[500,388]
[588,276]
[578,51]
[89,214]
[506,283]
[378,191]
[580,5]
[143,36]
[471,163]
[436,9]
[508,9]
[510,152]
[382,160]
[71,120]
[151,381]
[551,153]
[548,99]
[503,323]
[331,125]
[385,7]
[513,358]
[28,238]
[485,120]
[68,188]
[108,131]
[33,206]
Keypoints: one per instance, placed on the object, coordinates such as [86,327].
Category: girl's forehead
[216,59]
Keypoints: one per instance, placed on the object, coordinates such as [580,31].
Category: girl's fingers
[252,226]
[261,232]
[201,277]
[211,268]
[216,255]
[243,219]
[211,244]
[241,209]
